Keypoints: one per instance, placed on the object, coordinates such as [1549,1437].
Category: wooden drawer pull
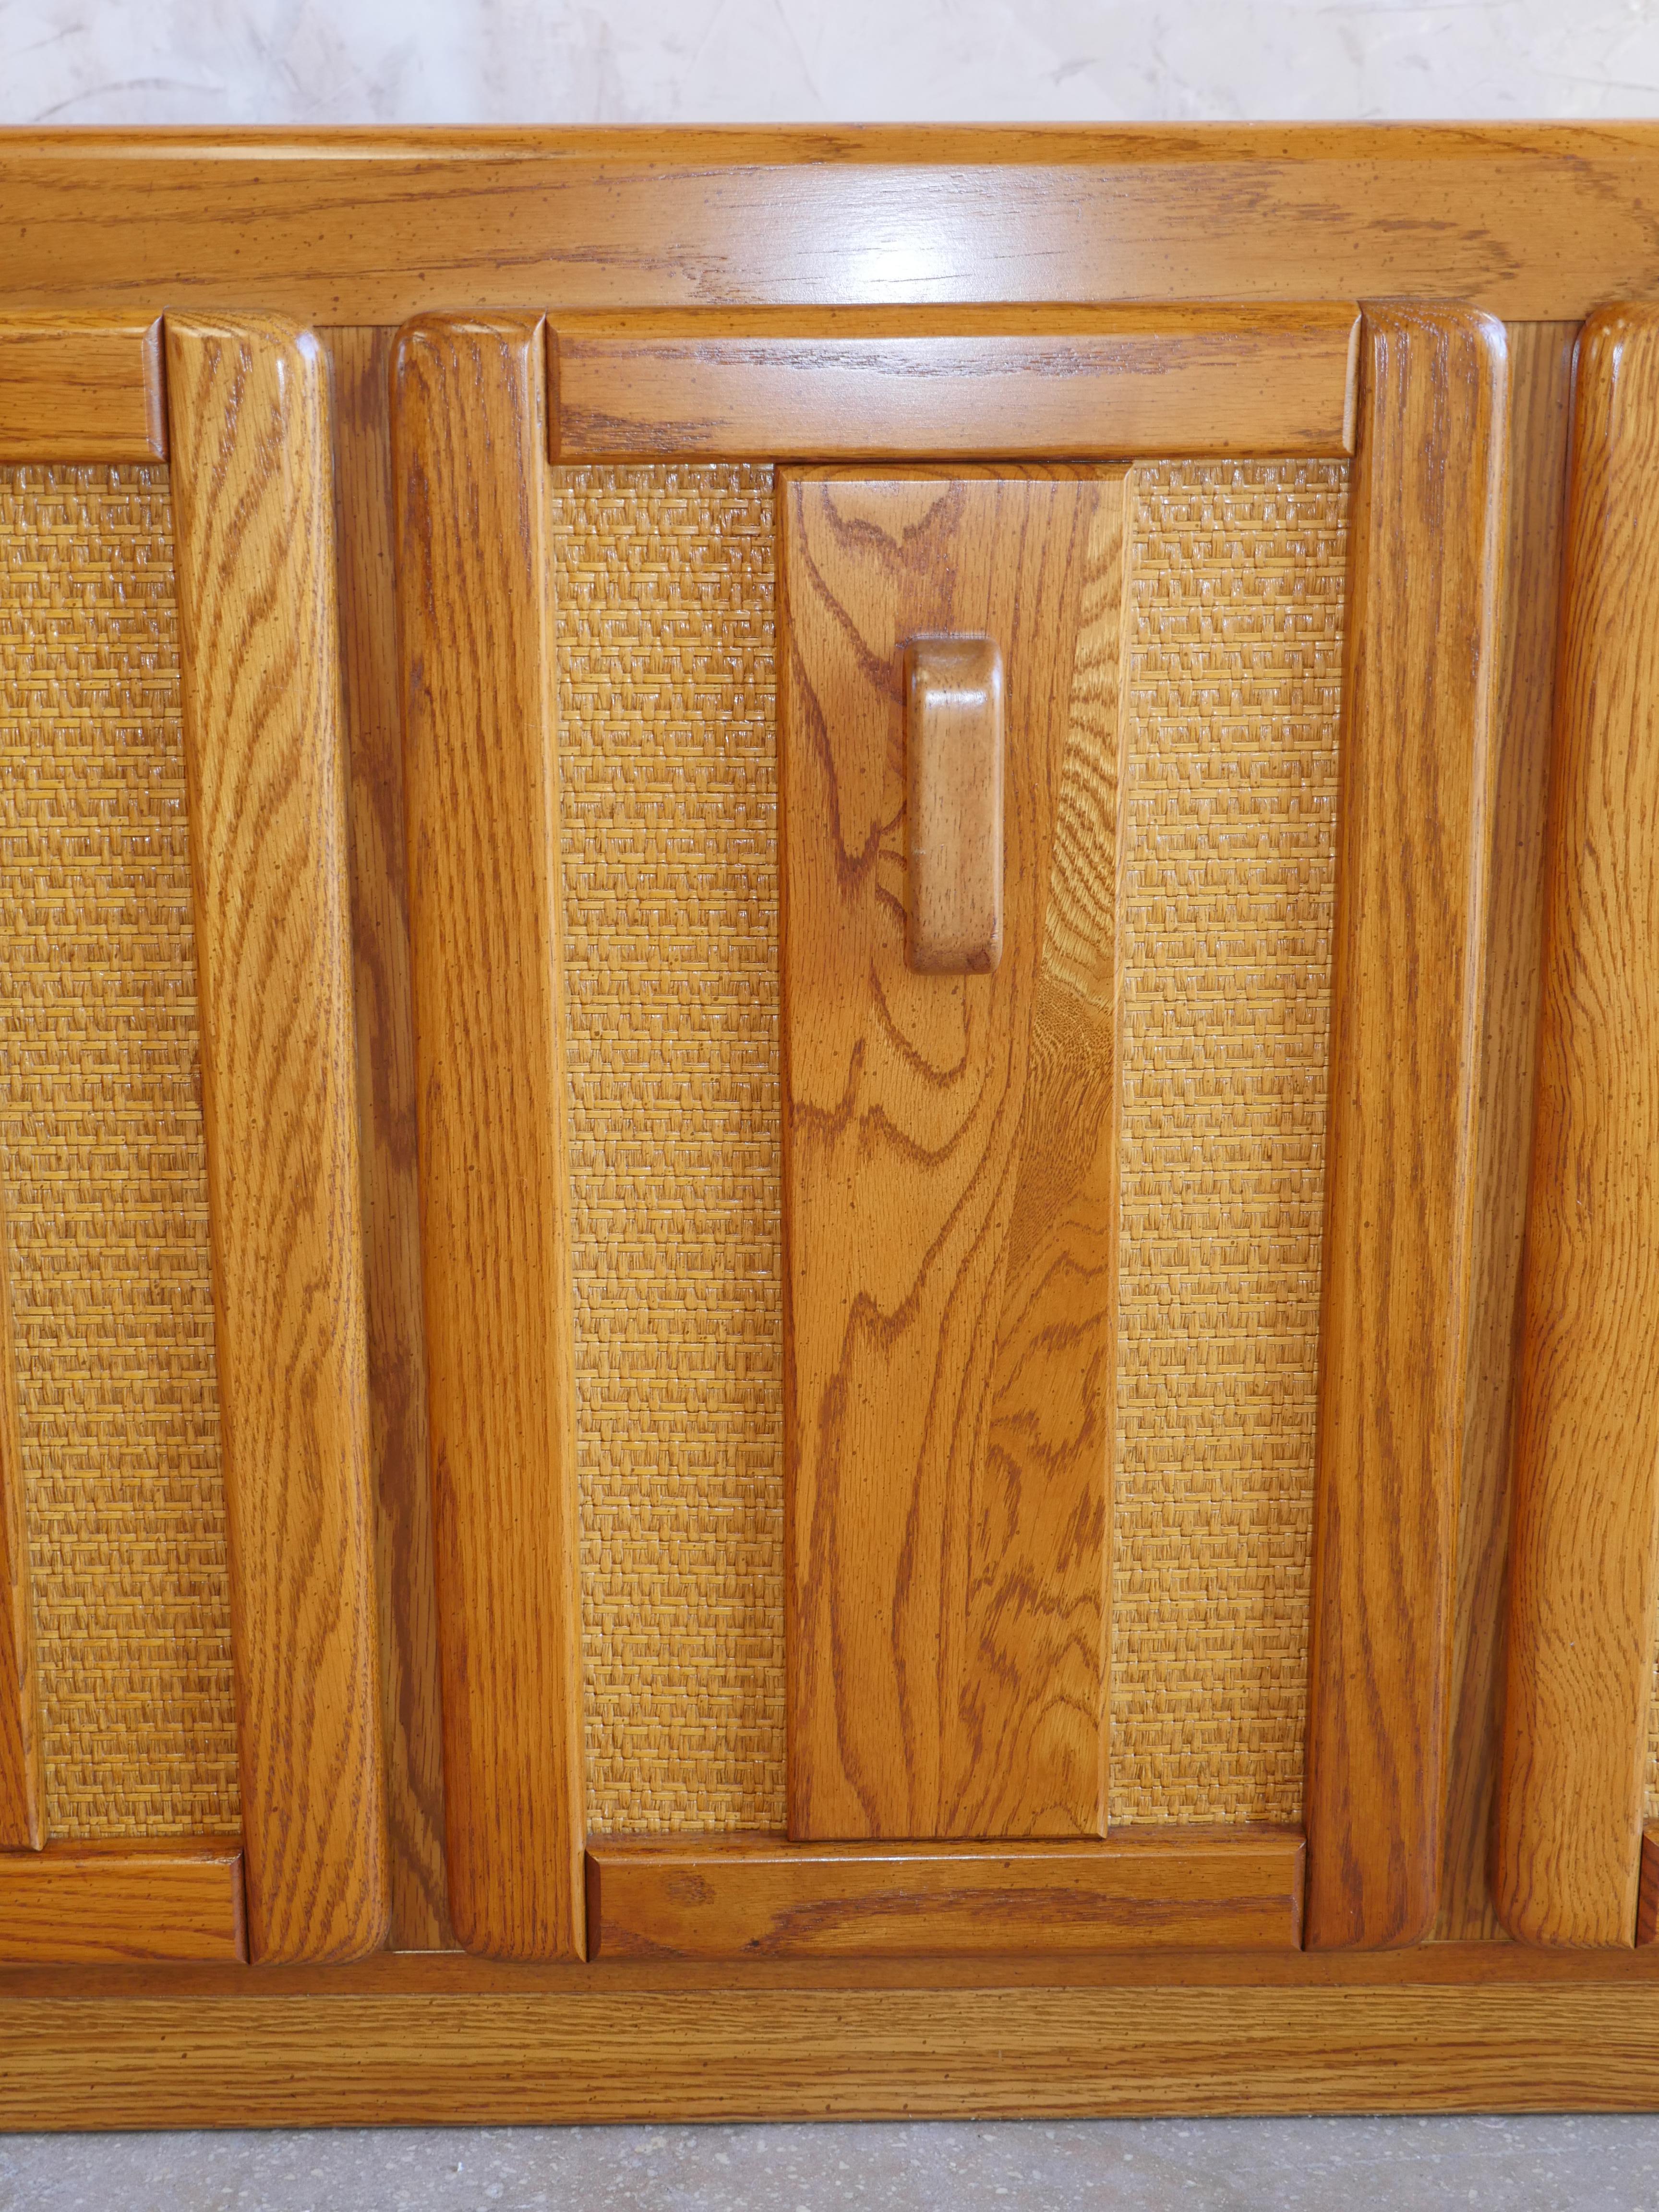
[953,748]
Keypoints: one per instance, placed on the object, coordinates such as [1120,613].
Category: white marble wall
[723,61]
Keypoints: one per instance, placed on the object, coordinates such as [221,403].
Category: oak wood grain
[941,384]
[265,782]
[1412,827]
[442,1974]
[520,2058]
[411,1716]
[93,1904]
[482,799]
[698,1897]
[953,749]
[21,1779]
[1584,1557]
[1531,221]
[949,1177]
[80,385]
[1541,405]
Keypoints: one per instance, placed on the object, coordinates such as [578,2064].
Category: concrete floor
[1553,2165]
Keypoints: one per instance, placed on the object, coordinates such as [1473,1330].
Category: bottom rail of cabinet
[422,2038]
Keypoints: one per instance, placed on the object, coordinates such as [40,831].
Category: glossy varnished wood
[692,1897]
[1531,221]
[804,2052]
[100,1904]
[443,1974]
[953,756]
[482,801]
[1540,396]
[21,1778]
[77,385]
[950,1191]
[936,384]
[1528,222]
[1413,827]
[265,773]
[1584,1563]
[412,1716]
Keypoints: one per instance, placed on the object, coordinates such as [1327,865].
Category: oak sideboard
[829,1123]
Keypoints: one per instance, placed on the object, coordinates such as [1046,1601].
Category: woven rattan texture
[101,1150]
[1233,658]
[662,587]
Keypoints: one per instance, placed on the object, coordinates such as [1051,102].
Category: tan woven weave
[1234,645]
[664,583]
[101,1150]
[662,587]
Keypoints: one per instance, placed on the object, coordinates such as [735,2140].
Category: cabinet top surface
[1533,222]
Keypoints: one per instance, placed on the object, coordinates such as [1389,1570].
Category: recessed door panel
[950,1204]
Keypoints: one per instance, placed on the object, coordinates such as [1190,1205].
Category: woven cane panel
[663,584]
[1233,647]
[101,1150]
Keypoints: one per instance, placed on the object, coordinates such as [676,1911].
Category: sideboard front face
[768,1059]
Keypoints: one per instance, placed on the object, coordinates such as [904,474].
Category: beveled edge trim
[929,383]
[712,1897]
[82,1904]
[80,385]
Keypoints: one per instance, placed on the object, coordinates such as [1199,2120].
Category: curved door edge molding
[1584,1557]
[265,774]
[482,808]
[1412,831]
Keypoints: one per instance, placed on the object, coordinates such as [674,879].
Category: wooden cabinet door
[1126,1182]
[189,1699]
[962,1393]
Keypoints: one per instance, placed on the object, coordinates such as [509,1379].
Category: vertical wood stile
[265,779]
[412,1727]
[1413,829]
[1584,1557]
[21,1797]
[482,805]
[1540,410]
